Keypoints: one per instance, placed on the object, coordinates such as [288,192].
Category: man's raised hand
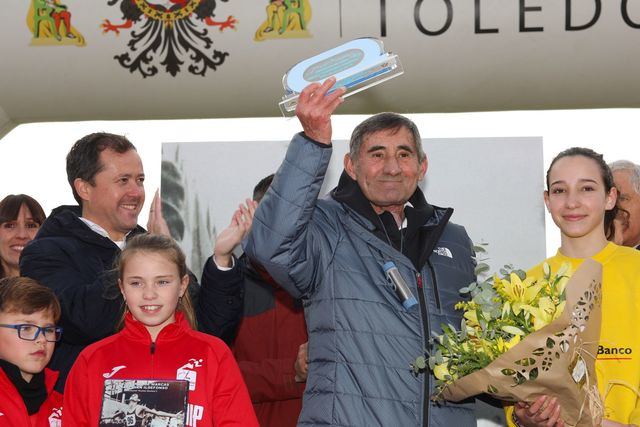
[315,108]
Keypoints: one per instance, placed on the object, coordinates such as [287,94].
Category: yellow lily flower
[485,347]
[559,310]
[543,314]
[472,318]
[441,371]
[564,270]
[519,292]
[562,283]
[506,309]
[518,307]
[512,342]
[503,346]
[546,269]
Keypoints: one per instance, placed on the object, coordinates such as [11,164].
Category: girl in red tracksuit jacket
[28,313]
[157,343]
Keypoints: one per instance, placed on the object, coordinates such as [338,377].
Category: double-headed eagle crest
[168,33]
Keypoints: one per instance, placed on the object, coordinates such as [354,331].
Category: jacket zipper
[427,335]
[436,294]
[153,352]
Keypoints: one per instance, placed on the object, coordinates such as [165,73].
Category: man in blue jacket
[75,249]
[330,252]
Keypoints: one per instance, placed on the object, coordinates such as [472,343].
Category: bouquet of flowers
[522,337]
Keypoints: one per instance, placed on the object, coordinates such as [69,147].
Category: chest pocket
[453,269]
[361,263]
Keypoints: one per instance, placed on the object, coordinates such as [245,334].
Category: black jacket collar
[65,221]
[425,223]
[348,192]
[33,393]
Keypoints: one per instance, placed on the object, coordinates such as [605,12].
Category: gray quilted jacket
[361,338]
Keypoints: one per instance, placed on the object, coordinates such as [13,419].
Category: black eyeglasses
[30,332]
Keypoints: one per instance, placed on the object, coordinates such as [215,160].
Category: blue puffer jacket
[361,339]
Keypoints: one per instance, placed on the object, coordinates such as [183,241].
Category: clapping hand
[156,223]
[237,230]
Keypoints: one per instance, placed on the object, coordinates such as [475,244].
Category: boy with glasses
[28,333]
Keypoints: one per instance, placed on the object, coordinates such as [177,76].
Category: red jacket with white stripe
[13,411]
[217,394]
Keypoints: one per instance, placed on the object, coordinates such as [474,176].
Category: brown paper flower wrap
[557,360]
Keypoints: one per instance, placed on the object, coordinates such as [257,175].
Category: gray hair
[381,122]
[634,171]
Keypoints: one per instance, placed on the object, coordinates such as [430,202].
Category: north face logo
[442,251]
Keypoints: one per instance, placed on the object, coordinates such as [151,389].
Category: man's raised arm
[283,236]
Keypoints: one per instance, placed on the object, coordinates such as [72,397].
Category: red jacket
[218,398]
[13,412]
[266,348]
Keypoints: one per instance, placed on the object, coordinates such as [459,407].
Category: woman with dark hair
[20,219]
[581,197]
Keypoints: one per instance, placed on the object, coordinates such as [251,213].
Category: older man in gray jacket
[363,333]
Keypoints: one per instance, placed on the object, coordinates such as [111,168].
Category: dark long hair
[607,179]
[10,207]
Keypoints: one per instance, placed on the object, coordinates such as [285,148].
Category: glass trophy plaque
[356,65]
